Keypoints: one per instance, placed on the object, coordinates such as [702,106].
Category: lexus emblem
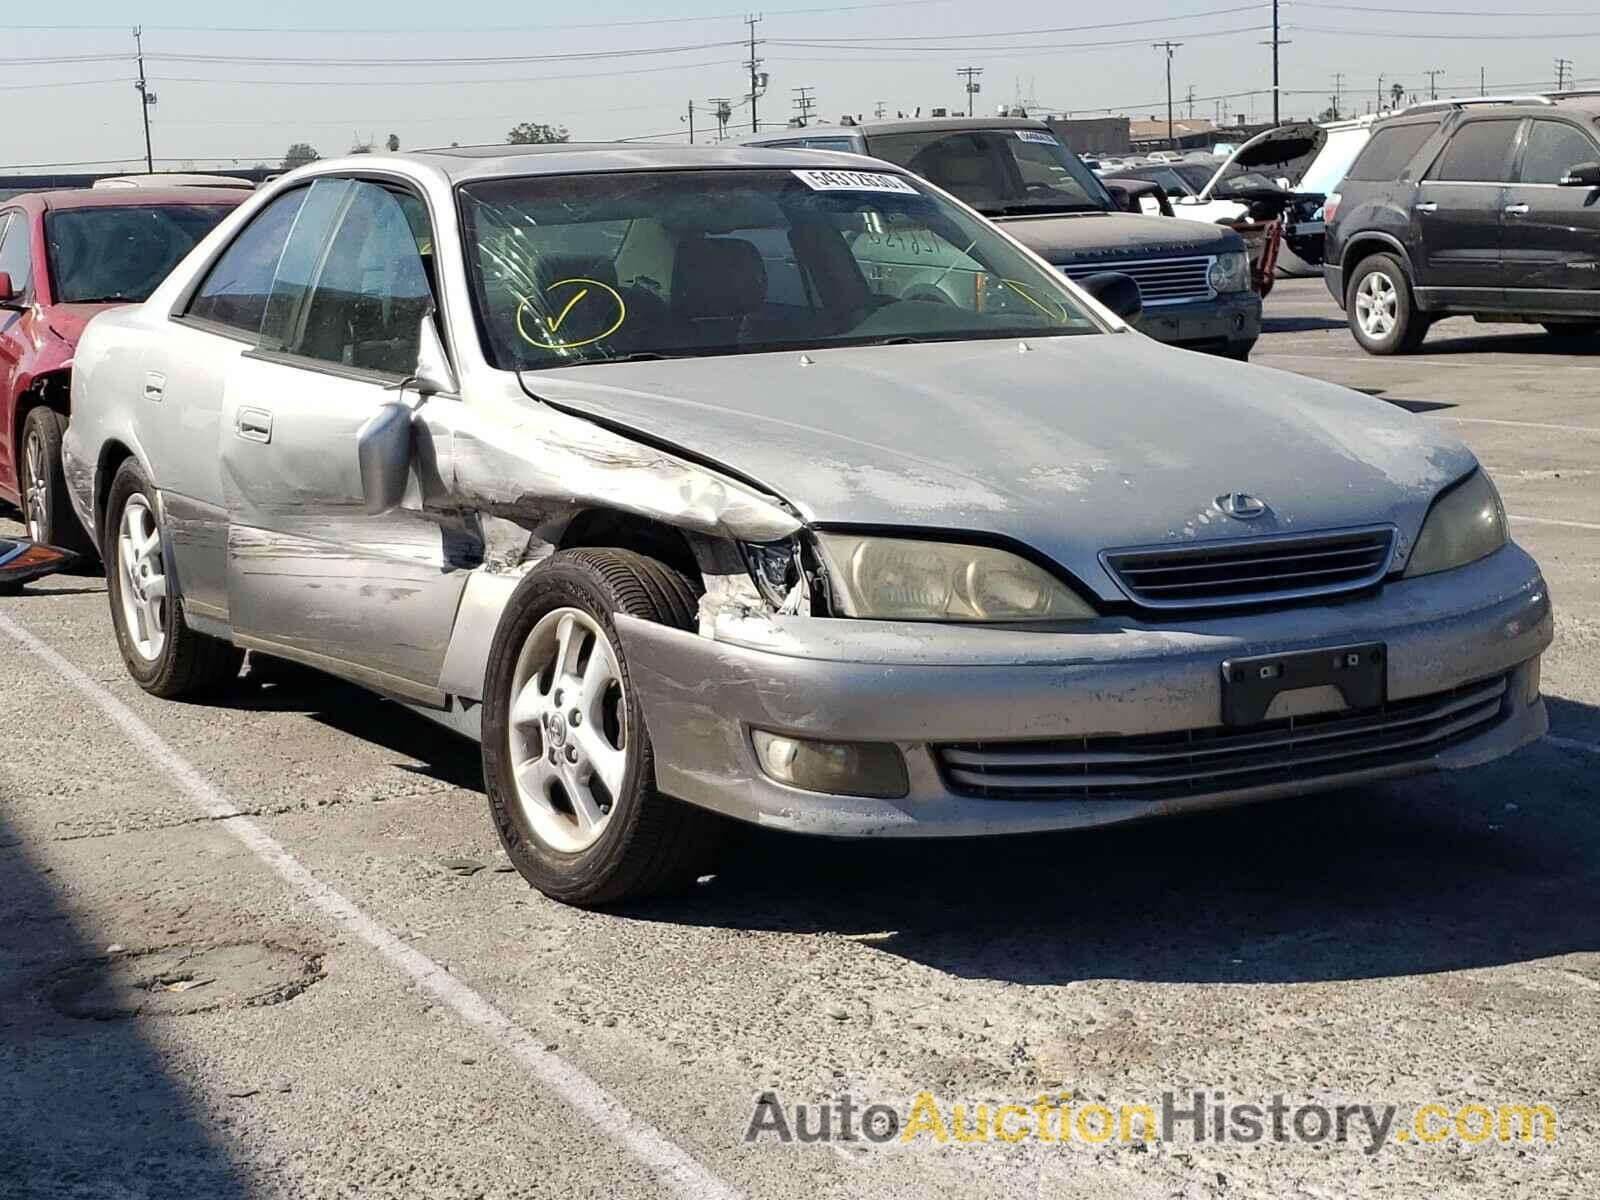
[1241,505]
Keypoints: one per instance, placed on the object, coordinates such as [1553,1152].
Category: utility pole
[803,103]
[1338,92]
[722,110]
[1483,82]
[691,122]
[1191,102]
[878,110]
[146,97]
[973,86]
[1275,43]
[1433,83]
[758,81]
[1380,95]
[1169,47]
[1563,69]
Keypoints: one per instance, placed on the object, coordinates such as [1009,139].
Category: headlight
[1231,272]
[897,578]
[1464,524]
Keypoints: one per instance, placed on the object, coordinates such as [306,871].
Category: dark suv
[1487,208]
[1194,279]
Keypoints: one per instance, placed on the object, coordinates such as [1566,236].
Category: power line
[795,43]
[541,27]
[1498,14]
[1447,37]
[419,82]
[1215,12]
[493,60]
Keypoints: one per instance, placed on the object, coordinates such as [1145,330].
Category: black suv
[1487,207]
[1194,279]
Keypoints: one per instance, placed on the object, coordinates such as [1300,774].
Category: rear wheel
[43,486]
[568,762]
[1379,305]
[165,657]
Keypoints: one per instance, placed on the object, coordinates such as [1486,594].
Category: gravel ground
[187,1011]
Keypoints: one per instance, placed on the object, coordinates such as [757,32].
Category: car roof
[463,164]
[924,125]
[140,197]
[1571,103]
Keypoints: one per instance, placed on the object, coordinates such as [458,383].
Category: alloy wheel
[1377,305]
[568,730]
[36,486]
[143,585]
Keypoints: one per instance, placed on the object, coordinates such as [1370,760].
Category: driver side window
[370,284]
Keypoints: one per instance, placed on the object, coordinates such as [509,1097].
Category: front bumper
[922,685]
[1225,322]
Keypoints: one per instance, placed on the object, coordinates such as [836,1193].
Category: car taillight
[1330,207]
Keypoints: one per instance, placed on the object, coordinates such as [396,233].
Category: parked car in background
[1488,207]
[64,258]
[1259,182]
[554,445]
[173,179]
[1195,282]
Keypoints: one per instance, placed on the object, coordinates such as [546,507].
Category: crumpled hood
[1094,237]
[1075,445]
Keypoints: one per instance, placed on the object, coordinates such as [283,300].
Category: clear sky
[609,68]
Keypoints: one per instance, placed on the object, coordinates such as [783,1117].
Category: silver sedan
[775,485]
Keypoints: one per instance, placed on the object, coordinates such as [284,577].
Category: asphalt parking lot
[356,996]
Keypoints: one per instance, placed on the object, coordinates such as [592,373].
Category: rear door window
[1554,149]
[1389,151]
[1479,152]
[237,287]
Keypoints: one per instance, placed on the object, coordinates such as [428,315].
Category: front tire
[45,506]
[165,657]
[1382,313]
[567,760]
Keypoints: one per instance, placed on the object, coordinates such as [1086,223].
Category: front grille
[1200,762]
[1255,571]
[1160,280]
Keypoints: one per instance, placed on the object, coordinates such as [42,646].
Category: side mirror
[383,445]
[1584,175]
[1118,292]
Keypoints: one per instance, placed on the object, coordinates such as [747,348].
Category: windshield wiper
[1020,210]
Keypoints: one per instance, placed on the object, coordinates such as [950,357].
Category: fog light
[1530,680]
[839,768]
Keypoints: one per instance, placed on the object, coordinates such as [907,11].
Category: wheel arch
[52,389]
[1367,243]
[608,528]
[112,455]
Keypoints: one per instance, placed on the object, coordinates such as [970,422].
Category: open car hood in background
[22,561]
[1293,145]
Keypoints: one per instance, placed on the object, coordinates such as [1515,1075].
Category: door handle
[155,386]
[1517,210]
[1427,206]
[253,425]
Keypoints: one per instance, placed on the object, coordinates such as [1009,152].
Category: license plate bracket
[1249,685]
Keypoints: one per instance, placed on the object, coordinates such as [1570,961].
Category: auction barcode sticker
[854,181]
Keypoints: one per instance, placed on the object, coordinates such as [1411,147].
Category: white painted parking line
[1422,362]
[639,1138]
[1436,416]
[1553,521]
[1572,744]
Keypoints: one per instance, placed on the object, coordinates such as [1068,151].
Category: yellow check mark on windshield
[556,324]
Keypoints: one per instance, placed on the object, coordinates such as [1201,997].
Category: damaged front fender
[523,460]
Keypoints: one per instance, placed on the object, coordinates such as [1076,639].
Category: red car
[64,257]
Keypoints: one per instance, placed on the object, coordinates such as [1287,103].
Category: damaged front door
[310,573]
